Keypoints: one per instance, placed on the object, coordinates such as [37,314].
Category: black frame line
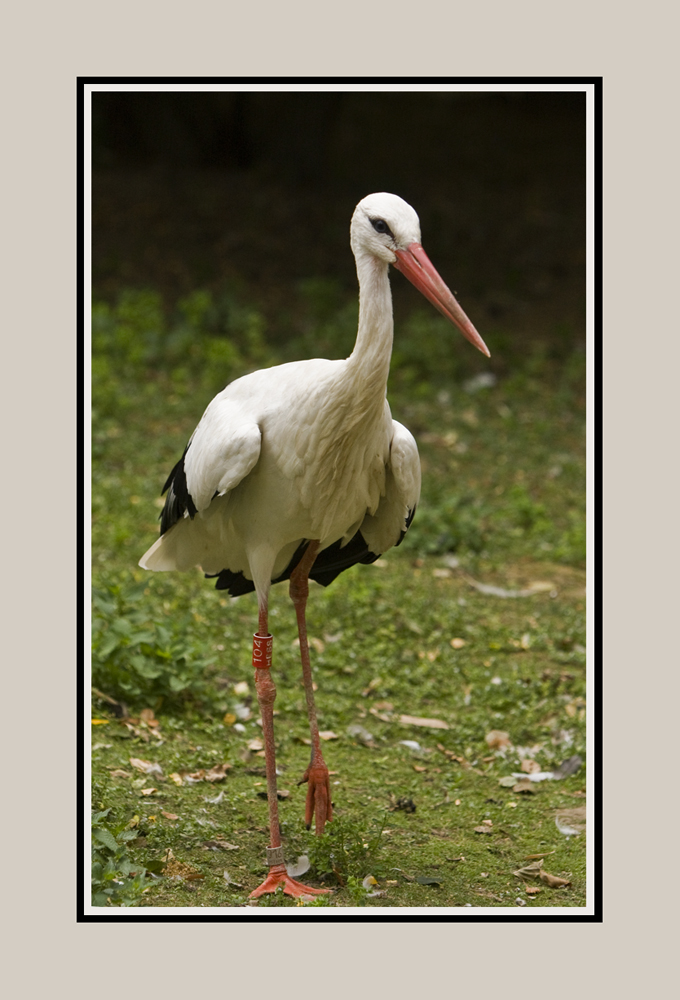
[595,557]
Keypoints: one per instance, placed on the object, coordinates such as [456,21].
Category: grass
[502,506]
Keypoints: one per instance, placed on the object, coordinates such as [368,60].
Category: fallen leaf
[142,734]
[380,715]
[508,781]
[483,829]
[148,791]
[229,719]
[328,734]
[147,716]
[458,643]
[554,881]
[413,720]
[571,822]
[241,688]
[177,778]
[118,773]
[194,777]
[146,766]
[218,772]
[524,787]
[529,766]
[255,744]
[532,890]
[417,767]
[218,844]
[497,739]
[530,871]
[169,815]
[100,722]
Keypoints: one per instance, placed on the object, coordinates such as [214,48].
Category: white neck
[369,362]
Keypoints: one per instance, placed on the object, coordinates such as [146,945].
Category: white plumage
[289,463]
[307,453]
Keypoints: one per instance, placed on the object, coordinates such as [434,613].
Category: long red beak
[418,268]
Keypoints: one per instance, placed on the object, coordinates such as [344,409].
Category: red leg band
[262,650]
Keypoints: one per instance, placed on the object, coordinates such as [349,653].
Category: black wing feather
[409,517]
[178,499]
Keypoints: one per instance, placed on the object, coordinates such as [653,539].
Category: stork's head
[381,224]
[386,228]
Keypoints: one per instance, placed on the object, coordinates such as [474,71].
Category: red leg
[318,791]
[266,693]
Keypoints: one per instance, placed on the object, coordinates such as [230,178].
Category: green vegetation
[116,881]
[434,630]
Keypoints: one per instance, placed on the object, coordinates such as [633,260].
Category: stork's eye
[381,226]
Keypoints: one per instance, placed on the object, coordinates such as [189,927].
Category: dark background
[255,192]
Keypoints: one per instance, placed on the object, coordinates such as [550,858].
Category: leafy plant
[357,891]
[450,524]
[345,851]
[134,658]
[116,880]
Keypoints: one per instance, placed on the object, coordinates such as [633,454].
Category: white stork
[299,471]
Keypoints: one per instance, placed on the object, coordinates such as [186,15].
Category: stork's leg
[266,693]
[318,791]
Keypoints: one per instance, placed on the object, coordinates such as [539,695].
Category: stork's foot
[318,797]
[279,876]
